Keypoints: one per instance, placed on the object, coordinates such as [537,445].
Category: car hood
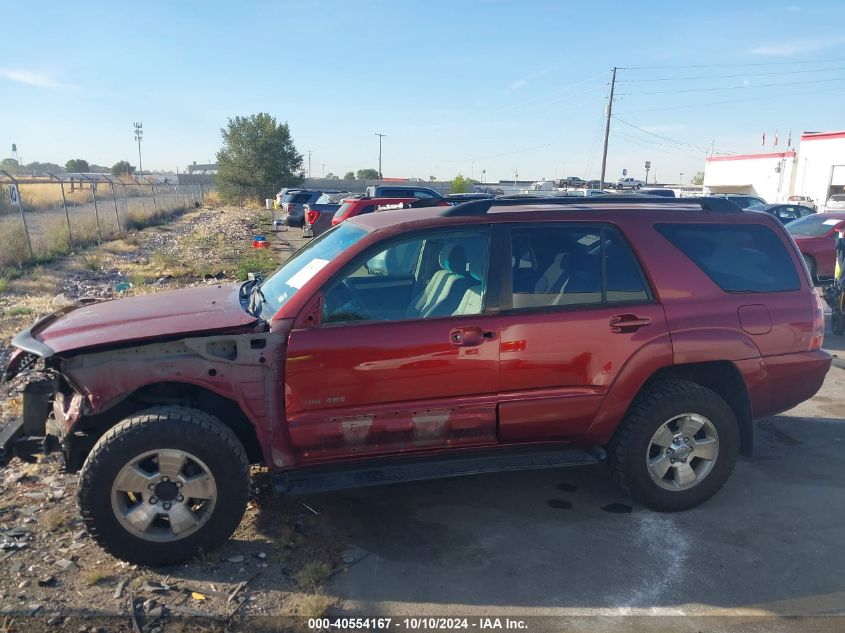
[183,312]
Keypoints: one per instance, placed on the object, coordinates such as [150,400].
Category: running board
[377,472]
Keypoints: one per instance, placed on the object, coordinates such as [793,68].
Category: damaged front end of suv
[91,364]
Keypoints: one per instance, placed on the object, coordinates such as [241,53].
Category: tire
[837,323]
[215,468]
[811,266]
[674,402]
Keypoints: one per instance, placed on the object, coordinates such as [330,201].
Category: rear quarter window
[737,257]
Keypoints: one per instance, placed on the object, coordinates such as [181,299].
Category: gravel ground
[52,576]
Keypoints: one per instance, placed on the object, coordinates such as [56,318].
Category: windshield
[305,263]
[812,225]
[838,198]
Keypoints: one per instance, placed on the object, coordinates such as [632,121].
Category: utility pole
[324,169]
[309,163]
[647,168]
[380,136]
[607,128]
[139,134]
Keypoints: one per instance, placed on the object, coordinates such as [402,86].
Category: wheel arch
[78,444]
[725,379]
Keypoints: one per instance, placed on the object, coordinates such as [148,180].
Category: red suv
[489,336]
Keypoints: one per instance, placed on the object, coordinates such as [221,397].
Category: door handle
[626,323]
[469,336]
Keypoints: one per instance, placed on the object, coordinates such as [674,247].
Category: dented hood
[135,319]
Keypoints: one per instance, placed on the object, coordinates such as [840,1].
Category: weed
[312,575]
[315,605]
[55,520]
[13,248]
[92,262]
[18,311]
[257,261]
[132,239]
[95,577]
[4,284]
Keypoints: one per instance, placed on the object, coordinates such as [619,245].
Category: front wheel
[164,484]
[676,447]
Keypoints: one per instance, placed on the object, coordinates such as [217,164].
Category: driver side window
[433,275]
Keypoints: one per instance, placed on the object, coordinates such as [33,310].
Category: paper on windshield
[308,271]
[832,221]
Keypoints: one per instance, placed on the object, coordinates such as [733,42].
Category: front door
[404,358]
[579,309]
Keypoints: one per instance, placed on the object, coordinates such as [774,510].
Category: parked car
[784,212]
[584,193]
[804,201]
[629,183]
[493,335]
[835,202]
[458,198]
[666,193]
[280,197]
[402,191]
[573,182]
[320,219]
[815,236]
[293,204]
[742,200]
[594,184]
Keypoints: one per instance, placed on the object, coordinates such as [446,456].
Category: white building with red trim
[816,170]
[769,176]
[821,166]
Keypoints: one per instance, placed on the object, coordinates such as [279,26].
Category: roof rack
[482,207]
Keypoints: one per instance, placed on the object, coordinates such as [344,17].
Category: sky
[489,88]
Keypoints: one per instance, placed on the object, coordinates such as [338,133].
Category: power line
[742,87]
[725,101]
[701,148]
[806,61]
[731,76]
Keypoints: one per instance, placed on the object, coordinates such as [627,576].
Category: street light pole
[139,134]
[380,136]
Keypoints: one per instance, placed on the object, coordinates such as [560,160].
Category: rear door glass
[737,257]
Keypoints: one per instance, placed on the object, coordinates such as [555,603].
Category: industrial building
[816,169]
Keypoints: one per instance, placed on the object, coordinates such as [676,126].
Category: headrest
[453,259]
[476,268]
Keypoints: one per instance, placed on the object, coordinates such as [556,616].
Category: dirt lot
[561,548]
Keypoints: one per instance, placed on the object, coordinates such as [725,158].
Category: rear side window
[299,198]
[342,210]
[572,266]
[737,257]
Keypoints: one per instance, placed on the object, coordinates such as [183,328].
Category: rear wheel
[676,447]
[164,484]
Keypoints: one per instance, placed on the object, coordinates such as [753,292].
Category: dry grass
[312,575]
[92,262]
[55,521]
[315,605]
[212,198]
[95,577]
[13,249]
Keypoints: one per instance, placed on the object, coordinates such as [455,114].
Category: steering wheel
[350,304]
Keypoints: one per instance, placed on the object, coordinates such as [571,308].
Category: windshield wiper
[252,298]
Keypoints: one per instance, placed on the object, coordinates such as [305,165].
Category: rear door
[380,374]
[577,307]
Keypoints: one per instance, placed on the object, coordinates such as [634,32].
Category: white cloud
[788,48]
[31,78]
[516,85]
[523,81]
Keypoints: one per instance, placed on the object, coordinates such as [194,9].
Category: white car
[836,203]
[629,183]
[584,193]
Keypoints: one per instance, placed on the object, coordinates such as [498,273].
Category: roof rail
[482,207]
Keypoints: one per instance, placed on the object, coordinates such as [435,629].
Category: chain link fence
[45,217]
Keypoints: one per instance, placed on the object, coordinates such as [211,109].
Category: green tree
[432,178]
[350,175]
[461,184]
[122,168]
[367,174]
[10,165]
[76,165]
[698,179]
[257,153]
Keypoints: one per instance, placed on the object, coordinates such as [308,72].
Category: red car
[360,206]
[816,238]
[489,336]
